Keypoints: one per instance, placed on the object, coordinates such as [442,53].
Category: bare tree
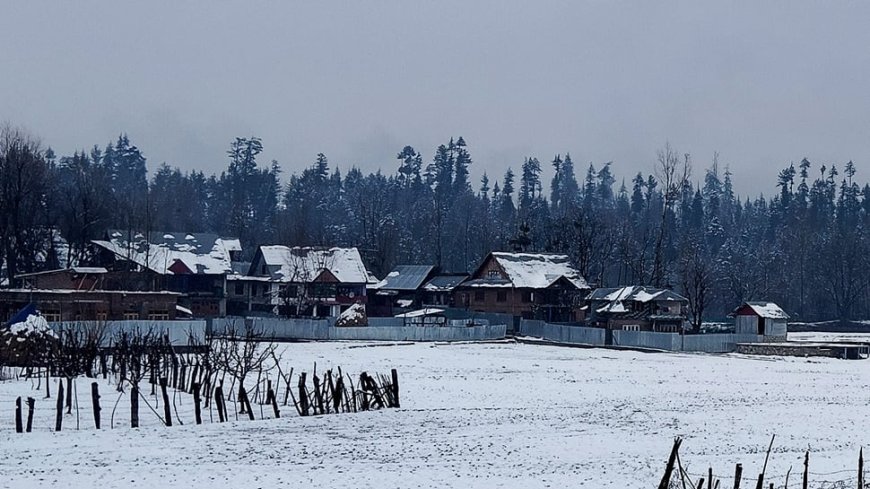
[672,172]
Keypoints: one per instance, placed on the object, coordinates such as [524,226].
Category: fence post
[31,402]
[59,418]
[167,411]
[395,375]
[95,400]
[19,425]
[197,413]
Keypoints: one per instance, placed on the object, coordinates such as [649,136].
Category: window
[51,316]
[479,296]
[501,296]
[493,274]
[130,316]
[631,327]
[527,296]
[158,316]
[240,288]
[102,316]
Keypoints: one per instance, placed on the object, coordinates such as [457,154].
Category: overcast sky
[764,85]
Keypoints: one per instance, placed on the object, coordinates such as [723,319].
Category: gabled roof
[532,270]
[767,310]
[405,277]
[172,253]
[635,293]
[616,298]
[304,264]
[444,283]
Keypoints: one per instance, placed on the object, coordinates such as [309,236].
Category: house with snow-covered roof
[302,281]
[195,265]
[400,291]
[761,318]
[637,308]
[529,285]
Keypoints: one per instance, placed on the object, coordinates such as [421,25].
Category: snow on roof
[444,283]
[767,310]
[405,277]
[184,310]
[206,254]
[429,311]
[304,264]
[538,270]
[635,293]
[615,307]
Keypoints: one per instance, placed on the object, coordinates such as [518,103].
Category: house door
[761,326]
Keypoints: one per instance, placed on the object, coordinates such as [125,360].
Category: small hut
[761,318]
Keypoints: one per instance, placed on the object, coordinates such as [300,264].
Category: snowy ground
[477,415]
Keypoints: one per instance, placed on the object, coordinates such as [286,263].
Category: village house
[529,285]
[194,265]
[300,281]
[399,292]
[637,308]
[761,318]
[59,304]
[440,290]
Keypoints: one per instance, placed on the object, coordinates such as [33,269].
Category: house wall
[745,324]
[64,279]
[91,306]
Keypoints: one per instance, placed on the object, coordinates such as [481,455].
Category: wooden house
[193,265]
[529,285]
[440,290]
[637,308]
[399,292]
[301,281]
[91,305]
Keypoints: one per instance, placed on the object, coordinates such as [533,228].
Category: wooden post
[395,374]
[134,406]
[738,474]
[318,396]
[95,400]
[270,399]
[246,403]
[303,396]
[861,468]
[710,477]
[167,411]
[69,392]
[806,468]
[31,402]
[219,404]
[59,419]
[197,412]
[669,468]
[19,424]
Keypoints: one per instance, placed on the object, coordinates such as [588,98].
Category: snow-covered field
[476,415]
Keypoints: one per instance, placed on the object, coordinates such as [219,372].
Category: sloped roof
[200,254]
[538,270]
[767,310]
[444,283]
[635,293]
[304,264]
[617,297]
[405,277]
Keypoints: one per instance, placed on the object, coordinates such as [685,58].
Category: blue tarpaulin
[21,316]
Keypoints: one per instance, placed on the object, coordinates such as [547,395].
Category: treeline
[805,248]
